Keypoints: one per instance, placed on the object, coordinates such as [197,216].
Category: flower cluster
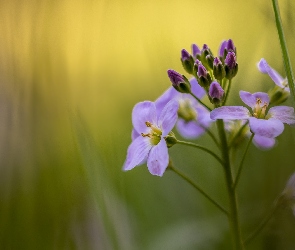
[182,105]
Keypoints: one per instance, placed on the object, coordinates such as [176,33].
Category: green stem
[233,212]
[198,99]
[261,225]
[202,148]
[199,189]
[242,161]
[285,54]
[227,92]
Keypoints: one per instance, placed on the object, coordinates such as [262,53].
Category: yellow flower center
[154,134]
[259,110]
[186,110]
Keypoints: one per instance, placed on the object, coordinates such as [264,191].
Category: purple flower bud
[179,82]
[231,60]
[184,55]
[187,61]
[198,62]
[216,92]
[195,50]
[175,77]
[231,65]
[222,47]
[202,71]
[230,45]
[205,47]
[216,62]
[218,69]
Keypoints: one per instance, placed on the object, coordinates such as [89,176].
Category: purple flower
[149,141]
[193,118]
[274,75]
[265,125]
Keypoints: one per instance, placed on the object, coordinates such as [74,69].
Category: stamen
[258,101]
[148,124]
[145,135]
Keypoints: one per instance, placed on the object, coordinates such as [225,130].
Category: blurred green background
[70,74]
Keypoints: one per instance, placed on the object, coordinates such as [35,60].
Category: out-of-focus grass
[70,74]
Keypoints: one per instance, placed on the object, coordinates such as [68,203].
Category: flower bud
[179,82]
[204,56]
[209,60]
[218,69]
[187,61]
[231,65]
[225,47]
[230,46]
[222,48]
[196,51]
[202,75]
[278,95]
[216,93]
[170,139]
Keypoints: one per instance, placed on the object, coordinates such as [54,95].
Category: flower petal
[263,142]
[137,152]
[143,112]
[158,158]
[196,89]
[283,113]
[134,134]
[168,117]
[167,96]
[268,128]
[189,130]
[230,113]
[251,99]
[274,75]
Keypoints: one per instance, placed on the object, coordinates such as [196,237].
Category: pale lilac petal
[158,158]
[251,99]
[230,113]
[283,113]
[143,112]
[263,142]
[168,117]
[137,152]
[268,128]
[189,130]
[134,134]
[196,89]
[274,75]
[167,96]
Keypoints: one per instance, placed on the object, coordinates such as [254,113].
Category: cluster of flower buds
[212,73]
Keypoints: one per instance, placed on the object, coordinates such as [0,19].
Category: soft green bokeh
[70,73]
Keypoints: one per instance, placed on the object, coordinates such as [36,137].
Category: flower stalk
[202,148]
[186,178]
[233,206]
[285,54]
